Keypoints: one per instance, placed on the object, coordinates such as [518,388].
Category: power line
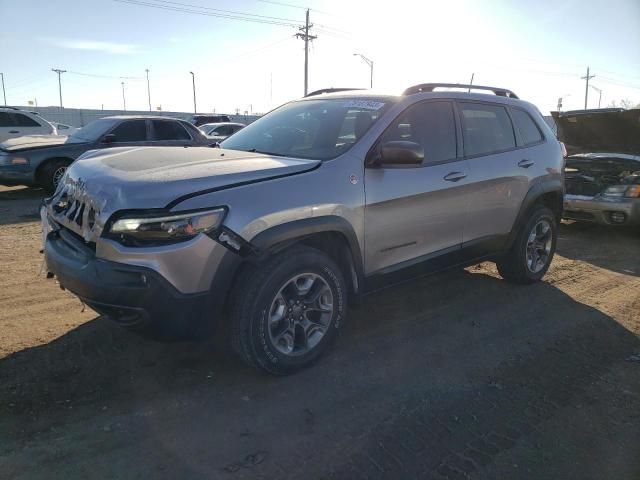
[207,13]
[230,12]
[95,75]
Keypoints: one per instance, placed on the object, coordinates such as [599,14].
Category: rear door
[498,173]
[14,125]
[169,133]
[416,213]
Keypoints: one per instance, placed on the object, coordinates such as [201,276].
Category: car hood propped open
[599,131]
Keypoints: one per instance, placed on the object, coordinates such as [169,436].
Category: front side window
[25,121]
[486,129]
[315,129]
[167,130]
[130,131]
[528,129]
[222,131]
[429,124]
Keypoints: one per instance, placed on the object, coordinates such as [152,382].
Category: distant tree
[623,103]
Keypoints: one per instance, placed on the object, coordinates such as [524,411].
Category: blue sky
[538,49]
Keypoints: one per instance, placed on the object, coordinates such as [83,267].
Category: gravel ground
[459,375]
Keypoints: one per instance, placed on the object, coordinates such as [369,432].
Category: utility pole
[370,63]
[4,94]
[59,72]
[471,81]
[193,80]
[304,35]
[586,88]
[124,102]
[148,89]
[599,93]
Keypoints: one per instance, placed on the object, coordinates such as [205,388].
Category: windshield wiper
[254,150]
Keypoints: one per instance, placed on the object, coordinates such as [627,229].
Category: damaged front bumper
[135,297]
[602,210]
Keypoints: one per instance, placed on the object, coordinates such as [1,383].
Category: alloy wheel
[300,314]
[539,245]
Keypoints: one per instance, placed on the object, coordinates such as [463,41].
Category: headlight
[629,191]
[166,228]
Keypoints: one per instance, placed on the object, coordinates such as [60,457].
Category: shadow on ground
[442,361]
[20,204]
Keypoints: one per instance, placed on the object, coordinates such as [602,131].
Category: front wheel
[287,310]
[530,255]
[52,173]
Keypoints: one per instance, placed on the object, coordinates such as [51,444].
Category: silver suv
[304,211]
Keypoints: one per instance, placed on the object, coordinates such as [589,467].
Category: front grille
[575,215]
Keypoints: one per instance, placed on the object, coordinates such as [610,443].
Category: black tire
[50,174]
[257,290]
[514,265]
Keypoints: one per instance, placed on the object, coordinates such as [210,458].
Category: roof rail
[430,87]
[10,108]
[330,90]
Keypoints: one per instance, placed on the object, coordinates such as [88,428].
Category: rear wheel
[287,311]
[530,255]
[52,173]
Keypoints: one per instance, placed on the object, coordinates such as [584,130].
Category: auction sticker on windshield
[365,104]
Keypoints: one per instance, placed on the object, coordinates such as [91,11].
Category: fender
[280,236]
[275,239]
[547,185]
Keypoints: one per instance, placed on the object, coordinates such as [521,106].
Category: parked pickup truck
[314,205]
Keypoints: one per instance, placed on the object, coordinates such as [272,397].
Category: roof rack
[430,87]
[330,90]
[10,108]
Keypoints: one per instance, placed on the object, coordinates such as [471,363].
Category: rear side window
[24,121]
[527,127]
[486,129]
[430,124]
[167,130]
[131,131]
[6,120]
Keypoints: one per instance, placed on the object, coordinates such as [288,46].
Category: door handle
[14,131]
[525,163]
[454,176]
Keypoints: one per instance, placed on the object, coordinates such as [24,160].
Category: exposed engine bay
[590,175]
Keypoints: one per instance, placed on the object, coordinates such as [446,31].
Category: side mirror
[400,152]
[110,138]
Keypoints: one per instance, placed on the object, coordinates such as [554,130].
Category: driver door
[128,133]
[417,213]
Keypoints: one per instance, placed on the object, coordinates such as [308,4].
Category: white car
[64,129]
[18,123]
[221,130]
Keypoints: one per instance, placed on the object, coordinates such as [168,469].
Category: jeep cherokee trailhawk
[305,210]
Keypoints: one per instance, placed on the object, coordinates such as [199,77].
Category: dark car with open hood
[41,160]
[602,172]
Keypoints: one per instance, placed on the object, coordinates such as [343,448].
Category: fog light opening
[617,217]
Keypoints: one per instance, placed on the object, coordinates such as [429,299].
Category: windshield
[313,129]
[92,131]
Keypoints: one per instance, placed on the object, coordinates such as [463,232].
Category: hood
[29,142]
[603,131]
[153,177]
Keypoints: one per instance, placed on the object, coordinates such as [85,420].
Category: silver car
[602,174]
[306,210]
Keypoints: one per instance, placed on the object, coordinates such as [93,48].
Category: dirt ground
[460,375]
